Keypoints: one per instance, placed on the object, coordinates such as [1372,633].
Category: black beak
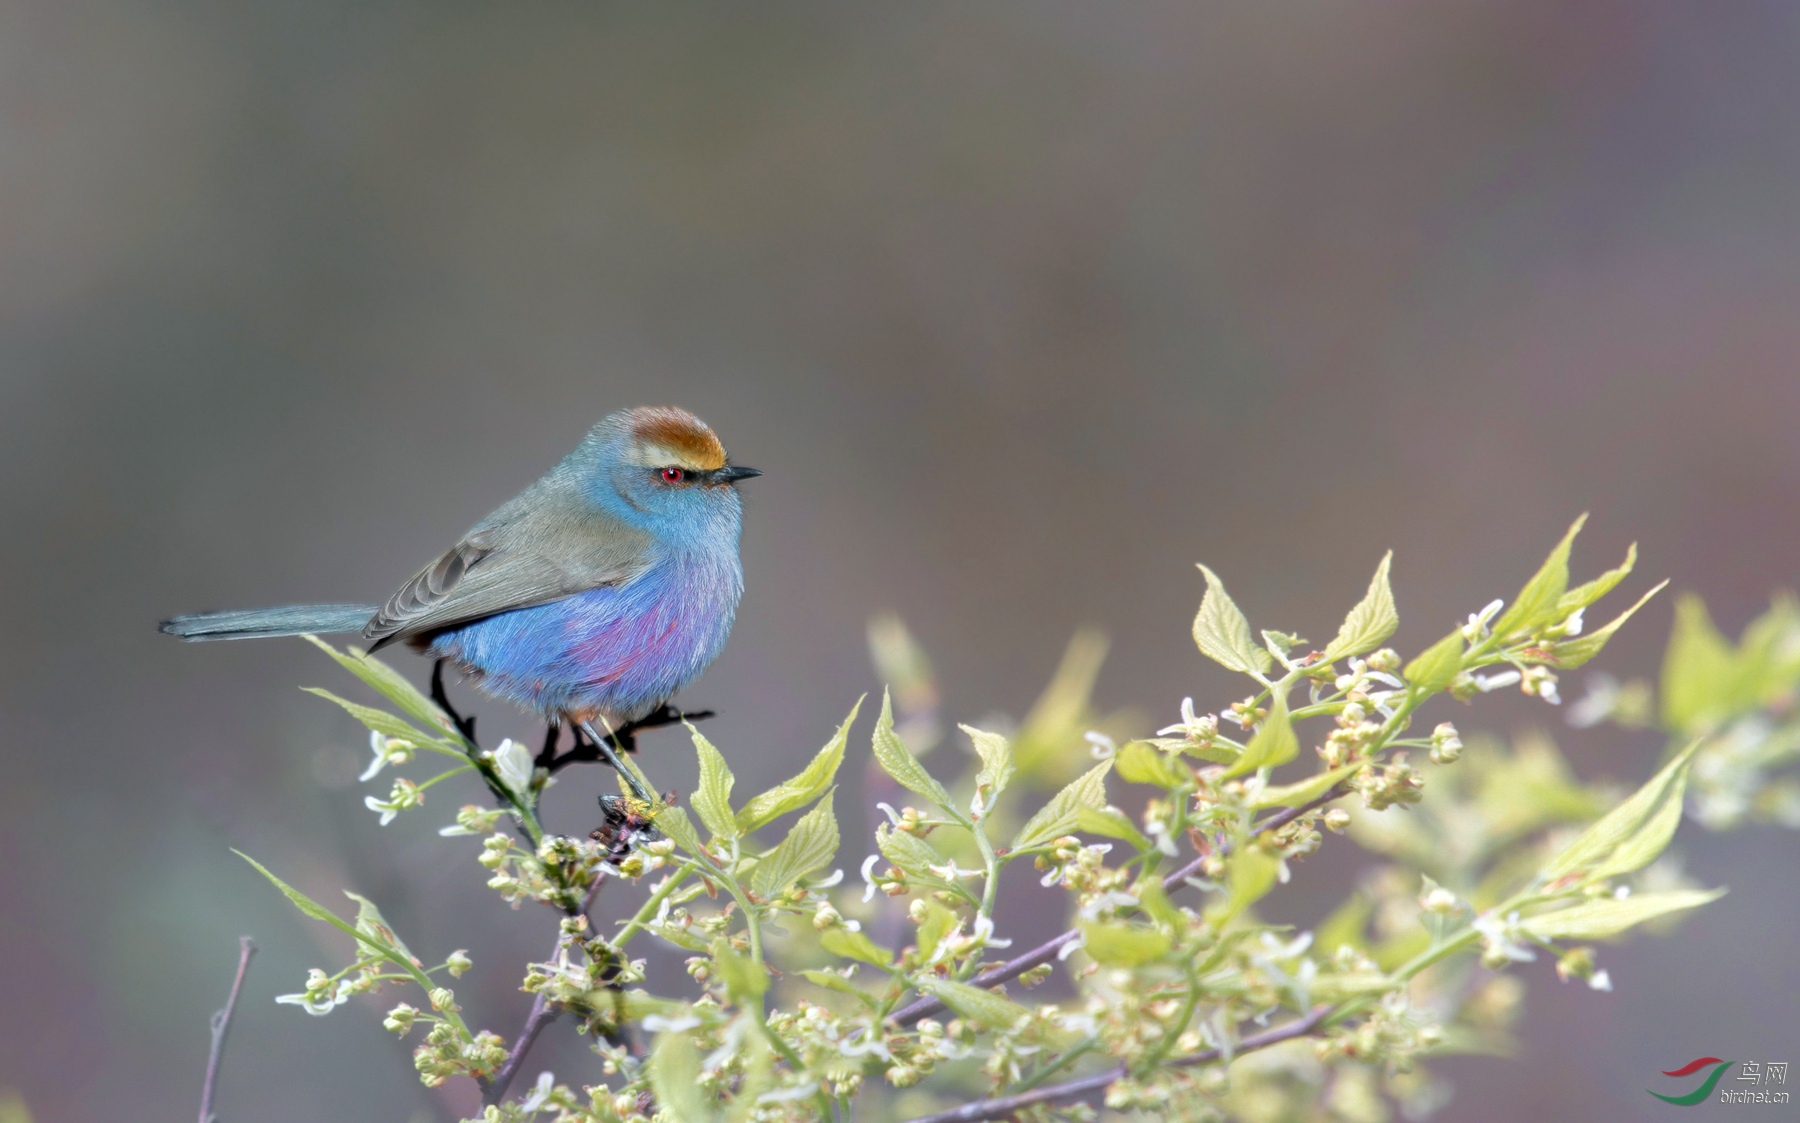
[732,473]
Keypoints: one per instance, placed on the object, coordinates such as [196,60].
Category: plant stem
[542,1014]
[221,1025]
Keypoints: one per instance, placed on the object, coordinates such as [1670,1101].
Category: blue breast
[616,652]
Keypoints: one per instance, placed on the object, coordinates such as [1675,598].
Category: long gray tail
[254,623]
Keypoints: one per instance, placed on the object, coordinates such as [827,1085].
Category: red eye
[673,475]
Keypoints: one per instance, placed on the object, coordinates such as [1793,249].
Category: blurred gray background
[1024,309]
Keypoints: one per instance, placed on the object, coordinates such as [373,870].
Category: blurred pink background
[1024,309]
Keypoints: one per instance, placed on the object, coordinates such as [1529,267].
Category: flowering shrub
[1176,999]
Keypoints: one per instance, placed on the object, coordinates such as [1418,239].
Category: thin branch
[1005,1106]
[221,1025]
[542,1014]
[1047,951]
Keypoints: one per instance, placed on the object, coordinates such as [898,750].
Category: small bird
[593,595]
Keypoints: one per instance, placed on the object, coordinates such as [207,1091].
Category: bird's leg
[624,738]
[464,725]
[546,758]
[605,748]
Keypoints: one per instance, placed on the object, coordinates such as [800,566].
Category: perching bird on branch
[593,595]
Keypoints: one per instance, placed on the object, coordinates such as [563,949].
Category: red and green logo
[1706,1086]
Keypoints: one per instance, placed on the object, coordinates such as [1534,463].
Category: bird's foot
[587,745]
[464,725]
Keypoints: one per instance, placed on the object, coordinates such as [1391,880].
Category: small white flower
[1100,745]
[1489,683]
[790,1094]
[513,761]
[377,744]
[984,932]
[546,1083]
[1572,626]
[888,810]
[868,867]
[657,1023]
[1600,981]
[1478,622]
[831,882]
[388,811]
[1071,947]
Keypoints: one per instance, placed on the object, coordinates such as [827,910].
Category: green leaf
[1110,822]
[675,1078]
[388,683]
[745,979]
[938,923]
[831,980]
[1346,924]
[1249,875]
[1140,762]
[1371,621]
[1700,670]
[841,941]
[1223,634]
[1574,652]
[812,843]
[809,785]
[1587,593]
[379,721]
[370,922]
[712,799]
[1609,916]
[897,760]
[1436,665]
[673,821]
[1631,835]
[1537,602]
[1123,945]
[909,853]
[995,1011]
[1272,744]
[1307,790]
[1154,900]
[996,764]
[1063,813]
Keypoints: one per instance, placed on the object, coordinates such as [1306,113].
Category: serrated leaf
[897,761]
[1140,762]
[675,1078]
[1123,945]
[1537,602]
[1437,665]
[1574,652]
[673,822]
[379,721]
[1372,620]
[995,1011]
[1305,791]
[812,843]
[938,923]
[996,764]
[1631,835]
[1700,670]
[389,951]
[745,979]
[1223,634]
[388,683]
[1062,814]
[909,853]
[843,942]
[1110,822]
[1272,744]
[1609,916]
[1590,591]
[809,785]
[712,798]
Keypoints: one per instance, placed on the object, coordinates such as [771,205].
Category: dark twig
[542,1014]
[1045,952]
[221,1025]
[1005,1106]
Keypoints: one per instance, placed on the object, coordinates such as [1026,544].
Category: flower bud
[458,963]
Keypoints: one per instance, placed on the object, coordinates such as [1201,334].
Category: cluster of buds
[387,750]
[1352,736]
[446,1053]
[1446,744]
[1246,713]
[1578,963]
[1197,731]
[1393,1034]
[1387,784]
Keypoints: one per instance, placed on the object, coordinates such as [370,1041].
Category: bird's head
[667,471]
